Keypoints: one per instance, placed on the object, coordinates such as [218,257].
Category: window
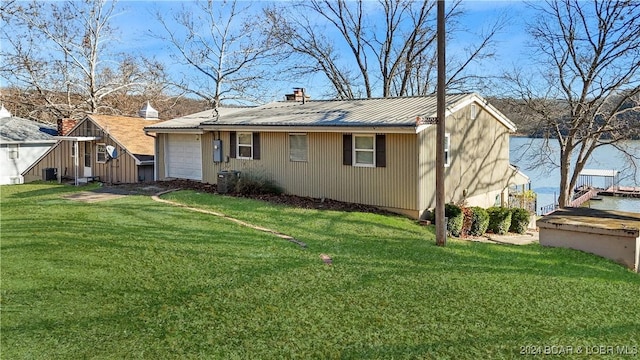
[447,146]
[245,146]
[363,150]
[14,151]
[474,111]
[101,153]
[298,147]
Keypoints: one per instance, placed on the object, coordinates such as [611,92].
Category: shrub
[499,220]
[519,220]
[455,219]
[254,183]
[479,221]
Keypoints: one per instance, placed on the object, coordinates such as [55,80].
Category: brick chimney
[298,95]
[65,126]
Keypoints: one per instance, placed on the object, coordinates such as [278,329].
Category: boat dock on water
[586,190]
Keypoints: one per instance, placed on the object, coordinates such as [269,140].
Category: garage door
[184,156]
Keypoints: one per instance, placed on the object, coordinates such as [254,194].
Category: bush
[455,219]
[499,220]
[254,183]
[519,220]
[479,221]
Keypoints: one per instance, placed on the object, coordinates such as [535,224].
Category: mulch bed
[284,199]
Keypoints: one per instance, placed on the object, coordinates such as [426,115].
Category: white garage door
[184,156]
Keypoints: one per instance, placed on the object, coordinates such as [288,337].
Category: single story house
[378,152]
[22,142]
[107,148]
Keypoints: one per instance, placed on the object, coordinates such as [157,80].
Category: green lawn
[133,278]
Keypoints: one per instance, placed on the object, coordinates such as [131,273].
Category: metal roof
[379,112]
[193,121]
[393,114]
[597,172]
[18,130]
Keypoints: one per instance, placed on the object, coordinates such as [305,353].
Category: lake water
[545,180]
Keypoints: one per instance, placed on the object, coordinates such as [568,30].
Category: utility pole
[441,228]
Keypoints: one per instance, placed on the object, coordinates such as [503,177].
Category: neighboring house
[22,142]
[378,152]
[81,152]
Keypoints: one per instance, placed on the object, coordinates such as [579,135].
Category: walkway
[156,197]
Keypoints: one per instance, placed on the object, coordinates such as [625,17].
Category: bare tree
[225,52]
[60,53]
[586,82]
[390,46]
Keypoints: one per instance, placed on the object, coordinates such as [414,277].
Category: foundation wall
[620,246]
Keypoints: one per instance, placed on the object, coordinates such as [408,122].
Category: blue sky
[137,18]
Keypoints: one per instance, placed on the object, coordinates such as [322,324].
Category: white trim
[98,153]
[447,149]
[238,156]
[372,150]
[173,130]
[78,138]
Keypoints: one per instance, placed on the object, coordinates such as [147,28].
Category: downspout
[155,155]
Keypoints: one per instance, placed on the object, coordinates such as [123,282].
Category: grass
[133,278]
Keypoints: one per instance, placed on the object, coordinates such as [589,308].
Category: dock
[586,190]
[621,191]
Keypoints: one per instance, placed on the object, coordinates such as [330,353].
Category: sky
[136,20]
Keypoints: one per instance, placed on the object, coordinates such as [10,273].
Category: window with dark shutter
[347,154]
[381,156]
[256,146]
[232,144]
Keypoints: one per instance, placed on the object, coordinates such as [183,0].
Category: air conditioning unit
[227,181]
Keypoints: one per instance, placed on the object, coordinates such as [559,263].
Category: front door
[87,159]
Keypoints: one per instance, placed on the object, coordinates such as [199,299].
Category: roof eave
[309,128]
[174,130]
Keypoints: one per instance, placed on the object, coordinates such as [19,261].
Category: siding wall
[121,170]
[479,166]
[479,151]
[11,169]
[323,174]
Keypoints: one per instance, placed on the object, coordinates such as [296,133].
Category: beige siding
[160,169]
[479,162]
[121,170]
[323,174]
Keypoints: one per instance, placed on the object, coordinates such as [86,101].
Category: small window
[364,150]
[245,145]
[298,147]
[474,111]
[101,153]
[14,151]
[447,147]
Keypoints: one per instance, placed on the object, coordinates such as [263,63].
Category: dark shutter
[232,144]
[347,151]
[256,146]
[381,156]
